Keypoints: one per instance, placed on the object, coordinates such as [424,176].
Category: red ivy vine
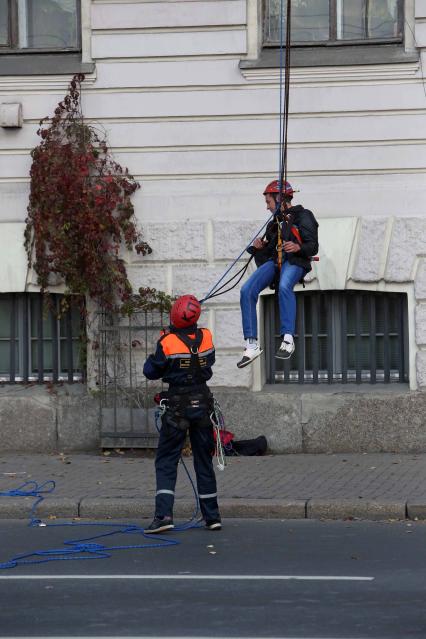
[80,211]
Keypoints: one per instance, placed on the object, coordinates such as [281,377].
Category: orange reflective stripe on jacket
[173,346]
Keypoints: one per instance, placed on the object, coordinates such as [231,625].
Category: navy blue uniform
[189,407]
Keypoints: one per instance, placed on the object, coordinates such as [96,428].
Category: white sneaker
[285,350]
[249,355]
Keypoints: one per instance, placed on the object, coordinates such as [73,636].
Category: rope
[79,549]
[218,424]
[89,547]
[214,289]
[189,524]
[283,144]
[241,273]
[284,108]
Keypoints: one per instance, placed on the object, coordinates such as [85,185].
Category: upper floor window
[39,25]
[328,22]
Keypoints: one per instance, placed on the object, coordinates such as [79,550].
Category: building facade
[188,93]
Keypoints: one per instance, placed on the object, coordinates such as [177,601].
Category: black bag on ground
[249,447]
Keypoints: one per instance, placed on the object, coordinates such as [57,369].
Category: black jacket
[299,226]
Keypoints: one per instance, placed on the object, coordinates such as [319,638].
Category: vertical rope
[284,108]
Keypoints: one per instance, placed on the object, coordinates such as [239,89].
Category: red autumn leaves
[80,214]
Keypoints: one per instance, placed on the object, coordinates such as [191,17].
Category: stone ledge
[355,508]
[58,507]
[16,507]
[416,509]
[263,508]
[104,508]
[115,507]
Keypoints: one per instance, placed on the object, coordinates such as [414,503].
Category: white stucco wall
[202,138]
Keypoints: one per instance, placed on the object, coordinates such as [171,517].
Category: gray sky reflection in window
[352,20]
[47,24]
[4,21]
[309,20]
[353,24]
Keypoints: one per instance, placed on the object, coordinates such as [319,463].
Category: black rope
[283,174]
[283,143]
[219,291]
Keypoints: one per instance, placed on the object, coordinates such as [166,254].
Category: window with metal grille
[342,336]
[39,25]
[38,344]
[316,22]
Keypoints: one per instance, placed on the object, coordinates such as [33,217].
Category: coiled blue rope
[88,547]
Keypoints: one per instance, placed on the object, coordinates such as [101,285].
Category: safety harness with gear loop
[180,405]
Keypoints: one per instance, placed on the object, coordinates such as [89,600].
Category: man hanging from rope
[184,358]
[282,256]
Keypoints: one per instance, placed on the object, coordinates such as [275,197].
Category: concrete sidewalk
[315,486]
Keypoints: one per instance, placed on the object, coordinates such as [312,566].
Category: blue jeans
[260,279]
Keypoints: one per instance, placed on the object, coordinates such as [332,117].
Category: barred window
[39,25]
[342,336]
[36,344]
[336,21]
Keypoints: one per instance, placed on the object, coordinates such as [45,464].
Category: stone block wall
[371,253]
[38,420]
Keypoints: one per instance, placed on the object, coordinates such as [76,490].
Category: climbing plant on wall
[80,214]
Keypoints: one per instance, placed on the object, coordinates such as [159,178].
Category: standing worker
[283,256]
[184,358]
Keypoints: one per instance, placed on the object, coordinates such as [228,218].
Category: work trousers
[166,462]
[259,280]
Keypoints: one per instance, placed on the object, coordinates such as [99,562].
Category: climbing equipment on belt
[218,423]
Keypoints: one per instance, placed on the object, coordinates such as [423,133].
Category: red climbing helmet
[185,311]
[274,187]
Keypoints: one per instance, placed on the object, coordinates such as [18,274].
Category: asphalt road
[258,579]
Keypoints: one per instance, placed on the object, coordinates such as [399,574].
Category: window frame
[25,368]
[332,40]
[338,371]
[13,33]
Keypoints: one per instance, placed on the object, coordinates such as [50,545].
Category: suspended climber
[184,358]
[283,257]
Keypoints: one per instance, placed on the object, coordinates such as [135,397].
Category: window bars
[127,410]
[342,337]
[36,344]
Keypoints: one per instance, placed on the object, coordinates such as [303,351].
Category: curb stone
[416,510]
[99,508]
[263,508]
[355,508]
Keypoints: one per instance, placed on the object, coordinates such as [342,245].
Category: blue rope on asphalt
[86,548]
